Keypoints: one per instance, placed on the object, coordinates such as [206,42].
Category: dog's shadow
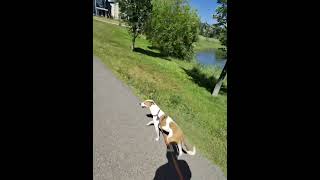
[169,171]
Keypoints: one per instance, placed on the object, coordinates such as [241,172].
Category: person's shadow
[168,171]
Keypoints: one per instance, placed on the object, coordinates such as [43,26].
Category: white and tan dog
[167,124]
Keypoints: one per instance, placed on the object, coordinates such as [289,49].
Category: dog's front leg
[149,123]
[170,133]
[180,149]
[156,127]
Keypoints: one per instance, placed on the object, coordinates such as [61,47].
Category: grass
[180,88]
[108,20]
[207,43]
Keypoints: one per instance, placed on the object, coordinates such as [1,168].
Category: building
[114,9]
[106,8]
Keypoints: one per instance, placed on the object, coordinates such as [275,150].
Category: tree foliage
[221,25]
[173,28]
[208,30]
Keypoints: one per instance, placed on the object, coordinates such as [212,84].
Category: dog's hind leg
[168,129]
[170,133]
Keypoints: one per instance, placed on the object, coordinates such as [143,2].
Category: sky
[205,8]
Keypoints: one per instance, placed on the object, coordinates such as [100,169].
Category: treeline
[207,30]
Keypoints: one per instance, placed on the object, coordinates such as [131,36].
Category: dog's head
[147,103]
[154,109]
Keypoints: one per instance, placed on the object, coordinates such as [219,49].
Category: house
[114,9]
[106,8]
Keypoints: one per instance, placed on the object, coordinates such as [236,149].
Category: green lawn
[182,89]
[100,18]
[207,43]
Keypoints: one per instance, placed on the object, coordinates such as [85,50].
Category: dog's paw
[157,139]
[149,123]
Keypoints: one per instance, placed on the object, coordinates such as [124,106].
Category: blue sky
[205,8]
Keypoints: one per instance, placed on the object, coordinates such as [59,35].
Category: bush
[173,28]
[221,53]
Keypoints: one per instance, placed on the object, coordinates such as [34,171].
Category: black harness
[159,119]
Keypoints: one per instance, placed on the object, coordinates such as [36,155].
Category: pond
[208,57]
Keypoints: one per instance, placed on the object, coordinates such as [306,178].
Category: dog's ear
[149,103]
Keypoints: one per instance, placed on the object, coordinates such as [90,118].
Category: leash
[173,159]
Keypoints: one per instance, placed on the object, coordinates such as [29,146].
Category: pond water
[208,57]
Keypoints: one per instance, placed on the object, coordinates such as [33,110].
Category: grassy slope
[100,18]
[207,43]
[202,117]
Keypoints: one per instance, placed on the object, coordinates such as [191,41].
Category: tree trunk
[220,80]
[133,42]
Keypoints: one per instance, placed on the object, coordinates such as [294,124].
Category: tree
[204,29]
[221,25]
[218,85]
[173,28]
[207,30]
[136,14]
[221,16]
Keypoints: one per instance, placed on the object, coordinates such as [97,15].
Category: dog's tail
[193,152]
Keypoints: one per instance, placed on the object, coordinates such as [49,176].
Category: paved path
[123,146]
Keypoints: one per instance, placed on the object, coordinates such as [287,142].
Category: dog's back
[172,125]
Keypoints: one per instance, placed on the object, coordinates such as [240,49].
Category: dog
[156,113]
[162,121]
